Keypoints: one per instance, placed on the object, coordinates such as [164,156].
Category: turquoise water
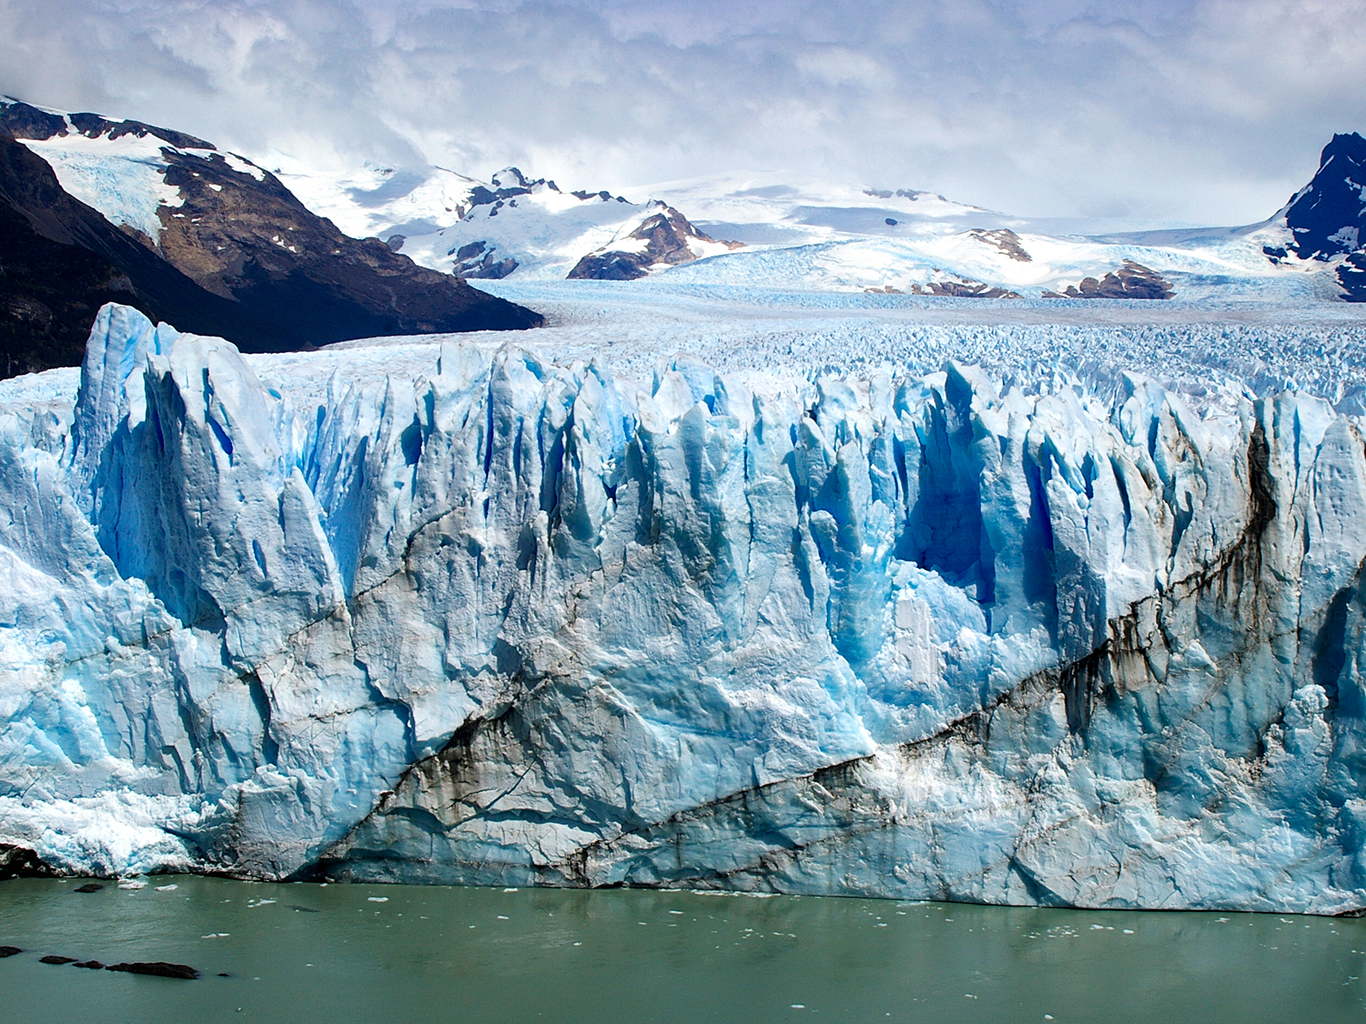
[299,953]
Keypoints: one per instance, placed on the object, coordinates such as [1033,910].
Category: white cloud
[1203,110]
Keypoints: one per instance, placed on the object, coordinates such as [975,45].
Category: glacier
[513,620]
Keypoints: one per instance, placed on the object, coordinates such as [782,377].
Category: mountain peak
[510,177]
[1327,217]
[1349,145]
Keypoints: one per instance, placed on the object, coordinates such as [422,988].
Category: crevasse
[507,624]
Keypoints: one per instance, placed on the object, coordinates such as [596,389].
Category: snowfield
[123,178]
[1016,602]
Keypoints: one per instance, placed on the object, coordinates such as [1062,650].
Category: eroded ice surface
[505,620]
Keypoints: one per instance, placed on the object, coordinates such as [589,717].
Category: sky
[1169,111]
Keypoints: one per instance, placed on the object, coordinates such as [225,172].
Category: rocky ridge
[62,260]
[1130,281]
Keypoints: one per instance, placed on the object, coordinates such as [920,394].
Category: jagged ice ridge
[505,623]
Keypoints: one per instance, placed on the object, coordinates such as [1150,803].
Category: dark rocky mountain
[1352,276]
[1327,218]
[49,295]
[241,257]
[60,260]
[666,235]
[1130,281]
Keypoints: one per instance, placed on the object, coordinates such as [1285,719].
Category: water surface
[299,953]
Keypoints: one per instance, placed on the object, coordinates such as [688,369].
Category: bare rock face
[611,266]
[24,121]
[1328,216]
[62,261]
[664,238]
[1131,281]
[49,295]
[1352,276]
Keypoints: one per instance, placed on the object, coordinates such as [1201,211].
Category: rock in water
[7,951]
[158,969]
[57,961]
[504,625]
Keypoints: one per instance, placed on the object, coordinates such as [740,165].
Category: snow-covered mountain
[802,234]
[1327,217]
[509,225]
[489,618]
[816,235]
[772,231]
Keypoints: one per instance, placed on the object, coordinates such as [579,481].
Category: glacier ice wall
[507,624]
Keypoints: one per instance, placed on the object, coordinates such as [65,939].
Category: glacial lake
[385,953]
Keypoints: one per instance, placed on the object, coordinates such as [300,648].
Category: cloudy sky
[1196,111]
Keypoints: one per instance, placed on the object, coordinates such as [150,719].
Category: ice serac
[507,623]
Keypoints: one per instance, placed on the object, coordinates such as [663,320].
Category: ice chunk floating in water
[504,624]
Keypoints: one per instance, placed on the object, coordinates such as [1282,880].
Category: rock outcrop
[953,286]
[1005,240]
[1130,281]
[663,238]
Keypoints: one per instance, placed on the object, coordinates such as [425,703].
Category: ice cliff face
[506,624]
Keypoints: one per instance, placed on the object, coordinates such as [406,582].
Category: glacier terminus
[508,620]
